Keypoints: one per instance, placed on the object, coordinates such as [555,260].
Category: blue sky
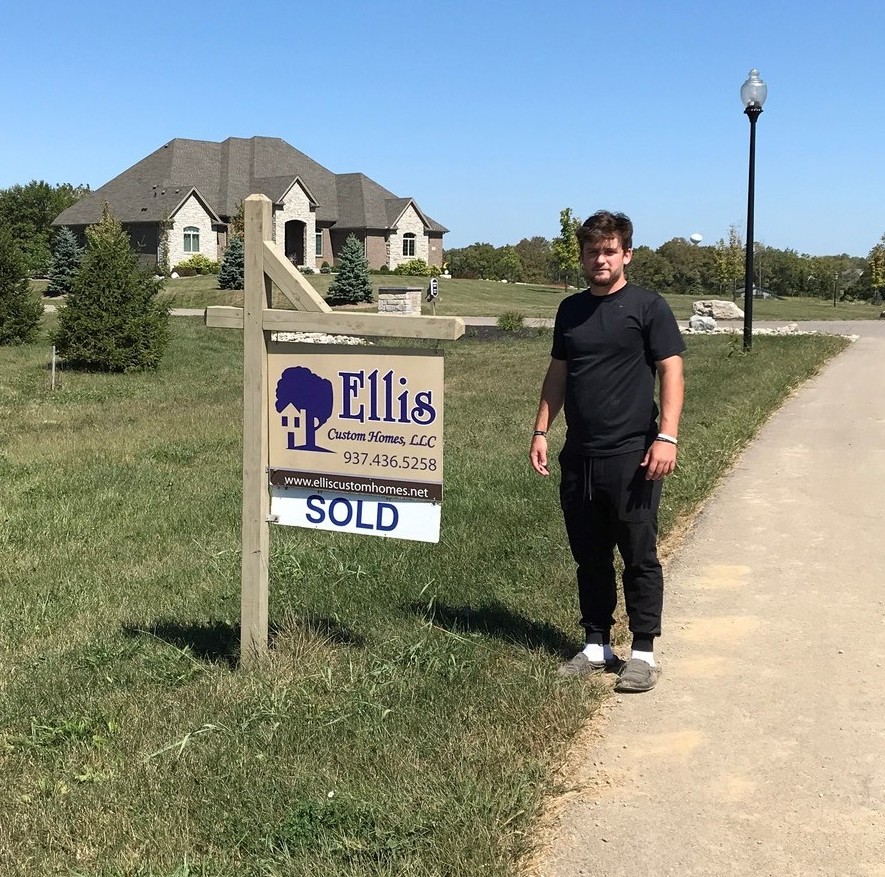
[492,116]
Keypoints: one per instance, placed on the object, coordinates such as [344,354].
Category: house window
[191,239]
[319,243]
[408,244]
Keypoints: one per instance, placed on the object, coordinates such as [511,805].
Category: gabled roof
[396,207]
[225,173]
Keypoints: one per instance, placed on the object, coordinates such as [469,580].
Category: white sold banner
[352,513]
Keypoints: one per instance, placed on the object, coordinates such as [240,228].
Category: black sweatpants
[607,502]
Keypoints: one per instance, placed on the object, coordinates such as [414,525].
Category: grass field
[409,721]
[485,298]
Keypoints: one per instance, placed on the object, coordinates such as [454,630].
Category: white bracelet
[663,437]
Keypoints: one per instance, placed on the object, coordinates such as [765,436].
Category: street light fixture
[753,94]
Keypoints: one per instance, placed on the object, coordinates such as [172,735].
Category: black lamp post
[753,94]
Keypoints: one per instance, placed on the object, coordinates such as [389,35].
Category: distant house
[180,199]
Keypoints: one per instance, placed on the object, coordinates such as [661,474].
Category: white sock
[648,657]
[596,652]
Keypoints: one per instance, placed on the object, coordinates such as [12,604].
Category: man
[610,342]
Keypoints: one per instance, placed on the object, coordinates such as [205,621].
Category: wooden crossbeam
[343,323]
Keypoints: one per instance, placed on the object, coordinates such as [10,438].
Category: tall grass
[409,720]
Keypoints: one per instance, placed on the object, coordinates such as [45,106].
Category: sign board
[355,438]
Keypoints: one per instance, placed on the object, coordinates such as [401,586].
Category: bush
[233,269]
[19,311]
[197,264]
[325,268]
[384,269]
[510,321]
[413,268]
[351,284]
[112,320]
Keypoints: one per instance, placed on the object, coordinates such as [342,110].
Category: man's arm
[552,397]
[660,459]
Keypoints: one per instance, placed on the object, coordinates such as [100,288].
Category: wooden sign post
[266,268]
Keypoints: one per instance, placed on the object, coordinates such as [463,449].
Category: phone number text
[390,461]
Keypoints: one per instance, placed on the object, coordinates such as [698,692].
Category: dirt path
[762,751]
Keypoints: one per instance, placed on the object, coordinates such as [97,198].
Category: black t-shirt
[611,344]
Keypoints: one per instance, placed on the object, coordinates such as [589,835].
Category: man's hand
[659,460]
[538,455]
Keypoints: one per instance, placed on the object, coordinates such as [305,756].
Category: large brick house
[179,200]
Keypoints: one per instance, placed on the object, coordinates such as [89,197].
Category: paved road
[762,750]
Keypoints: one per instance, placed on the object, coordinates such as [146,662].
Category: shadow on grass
[325,628]
[214,641]
[497,620]
[218,642]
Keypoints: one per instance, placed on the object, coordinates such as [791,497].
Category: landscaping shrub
[19,311]
[325,268]
[510,321]
[413,268]
[112,320]
[197,264]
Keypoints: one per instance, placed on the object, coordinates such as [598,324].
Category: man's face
[604,261]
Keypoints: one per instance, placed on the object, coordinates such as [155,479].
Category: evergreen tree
[233,265]
[351,284]
[19,311]
[65,262]
[112,320]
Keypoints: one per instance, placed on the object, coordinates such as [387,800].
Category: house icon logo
[304,402]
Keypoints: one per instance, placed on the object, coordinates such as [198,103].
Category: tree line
[682,267]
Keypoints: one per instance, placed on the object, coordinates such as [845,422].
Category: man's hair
[603,225]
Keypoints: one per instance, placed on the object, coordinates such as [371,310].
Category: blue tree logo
[312,398]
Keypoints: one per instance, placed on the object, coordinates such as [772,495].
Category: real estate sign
[356,439]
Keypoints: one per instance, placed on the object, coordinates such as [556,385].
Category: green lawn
[409,720]
[486,298]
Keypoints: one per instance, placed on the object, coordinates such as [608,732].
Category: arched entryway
[295,230]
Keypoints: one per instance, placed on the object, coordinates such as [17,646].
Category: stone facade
[296,206]
[404,301]
[409,223]
[192,214]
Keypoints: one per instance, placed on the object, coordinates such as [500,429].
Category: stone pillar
[400,300]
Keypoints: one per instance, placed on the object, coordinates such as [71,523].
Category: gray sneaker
[637,676]
[581,665]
